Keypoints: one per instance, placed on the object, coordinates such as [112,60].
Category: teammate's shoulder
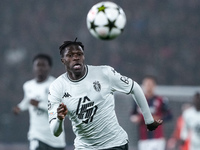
[98,66]
[188,112]
[102,68]
[52,78]
[29,82]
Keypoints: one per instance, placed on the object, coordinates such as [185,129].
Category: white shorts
[152,144]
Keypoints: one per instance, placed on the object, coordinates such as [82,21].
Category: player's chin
[77,71]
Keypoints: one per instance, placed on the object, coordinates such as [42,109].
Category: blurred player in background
[174,143]
[35,100]
[85,93]
[158,106]
[192,124]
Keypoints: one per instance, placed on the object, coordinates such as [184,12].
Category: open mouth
[77,66]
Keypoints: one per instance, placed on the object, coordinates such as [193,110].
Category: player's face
[41,68]
[197,102]
[74,59]
[148,86]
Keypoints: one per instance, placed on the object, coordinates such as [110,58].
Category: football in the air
[106,20]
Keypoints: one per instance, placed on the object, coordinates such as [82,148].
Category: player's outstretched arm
[141,101]
[16,110]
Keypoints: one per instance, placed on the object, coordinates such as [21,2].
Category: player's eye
[80,54]
[69,55]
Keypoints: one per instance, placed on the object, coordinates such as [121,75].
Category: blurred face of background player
[148,86]
[73,59]
[41,69]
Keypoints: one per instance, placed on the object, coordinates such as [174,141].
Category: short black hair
[67,43]
[44,56]
[197,95]
[150,76]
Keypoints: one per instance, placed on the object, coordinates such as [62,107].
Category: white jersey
[39,124]
[192,126]
[91,106]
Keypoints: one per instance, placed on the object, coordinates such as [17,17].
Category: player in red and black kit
[158,106]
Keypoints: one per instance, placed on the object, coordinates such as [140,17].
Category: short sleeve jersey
[91,107]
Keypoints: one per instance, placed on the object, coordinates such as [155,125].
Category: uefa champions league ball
[106,20]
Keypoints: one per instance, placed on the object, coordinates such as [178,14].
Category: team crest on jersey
[97,86]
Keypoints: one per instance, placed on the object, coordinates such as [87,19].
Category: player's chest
[154,105]
[84,96]
[37,92]
[194,121]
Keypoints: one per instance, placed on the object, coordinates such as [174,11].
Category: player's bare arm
[34,102]
[16,110]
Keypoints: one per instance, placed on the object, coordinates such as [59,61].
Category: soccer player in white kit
[35,100]
[85,94]
[191,126]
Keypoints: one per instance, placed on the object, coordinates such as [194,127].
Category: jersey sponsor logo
[97,86]
[86,110]
[66,95]
[124,79]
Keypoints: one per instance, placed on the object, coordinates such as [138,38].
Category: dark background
[161,38]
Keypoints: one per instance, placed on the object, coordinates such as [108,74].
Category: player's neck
[149,95]
[76,75]
[40,79]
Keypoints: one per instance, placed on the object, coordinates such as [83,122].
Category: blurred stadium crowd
[160,38]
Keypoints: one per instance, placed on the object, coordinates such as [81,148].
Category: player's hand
[34,102]
[154,125]
[16,110]
[62,111]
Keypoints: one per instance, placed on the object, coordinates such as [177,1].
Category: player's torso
[193,121]
[90,104]
[85,97]
[39,92]
[155,105]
